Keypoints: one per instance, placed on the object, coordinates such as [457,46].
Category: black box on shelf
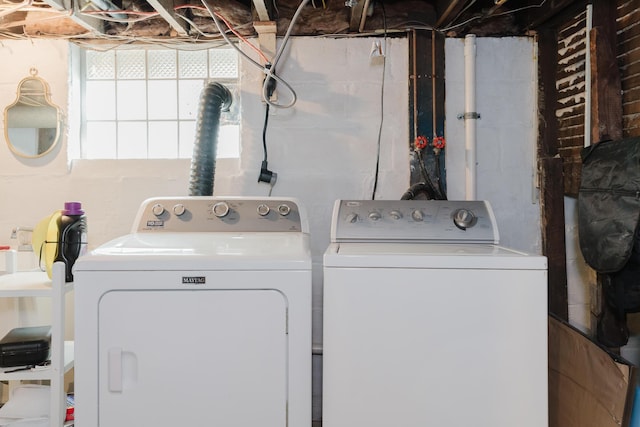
[25,346]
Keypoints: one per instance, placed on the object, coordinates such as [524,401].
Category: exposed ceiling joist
[89,22]
[495,7]
[450,9]
[482,17]
[358,15]
[262,10]
[548,10]
[166,9]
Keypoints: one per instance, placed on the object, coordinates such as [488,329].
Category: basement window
[143,103]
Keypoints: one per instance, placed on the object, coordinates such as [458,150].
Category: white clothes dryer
[428,322]
[201,316]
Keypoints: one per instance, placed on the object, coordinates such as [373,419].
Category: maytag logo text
[194,280]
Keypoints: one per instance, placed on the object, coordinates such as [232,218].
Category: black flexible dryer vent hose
[214,99]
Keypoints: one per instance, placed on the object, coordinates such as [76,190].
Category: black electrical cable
[264,132]
[384,66]
[266,175]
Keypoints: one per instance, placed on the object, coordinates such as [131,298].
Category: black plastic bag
[608,217]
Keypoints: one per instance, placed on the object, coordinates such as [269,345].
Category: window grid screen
[143,103]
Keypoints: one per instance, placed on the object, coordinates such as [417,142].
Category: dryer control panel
[220,214]
[434,221]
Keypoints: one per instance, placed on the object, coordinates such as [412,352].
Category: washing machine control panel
[219,214]
[434,221]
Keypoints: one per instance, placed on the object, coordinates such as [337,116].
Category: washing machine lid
[430,256]
[201,251]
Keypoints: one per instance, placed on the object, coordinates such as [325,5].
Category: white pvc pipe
[470,116]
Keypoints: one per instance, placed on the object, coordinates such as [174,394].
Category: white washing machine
[200,317]
[428,322]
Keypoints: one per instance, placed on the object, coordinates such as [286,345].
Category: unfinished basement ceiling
[190,21]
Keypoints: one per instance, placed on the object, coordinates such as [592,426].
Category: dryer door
[192,358]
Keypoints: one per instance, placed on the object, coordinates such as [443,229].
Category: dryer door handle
[115,369]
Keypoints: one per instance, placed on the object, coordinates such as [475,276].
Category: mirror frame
[46,94]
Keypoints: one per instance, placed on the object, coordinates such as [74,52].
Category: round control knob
[179,209]
[263,209]
[395,214]
[352,217]
[464,218]
[220,209]
[284,209]
[157,209]
[374,216]
[417,215]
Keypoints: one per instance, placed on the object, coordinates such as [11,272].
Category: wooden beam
[606,89]
[549,10]
[91,23]
[495,7]
[363,18]
[606,95]
[447,11]
[166,9]
[551,176]
[262,10]
[553,237]
[266,37]
[357,13]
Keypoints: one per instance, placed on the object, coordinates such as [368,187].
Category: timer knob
[374,216]
[157,209]
[263,209]
[417,215]
[395,214]
[179,209]
[220,209]
[352,217]
[464,218]
[284,209]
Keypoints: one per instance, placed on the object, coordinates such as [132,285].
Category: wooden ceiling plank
[166,10]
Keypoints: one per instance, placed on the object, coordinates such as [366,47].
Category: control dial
[352,217]
[374,216]
[395,214]
[284,209]
[220,209]
[157,209]
[464,218]
[417,215]
[263,210]
[179,209]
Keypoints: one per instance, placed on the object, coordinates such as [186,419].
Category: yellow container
[44,241]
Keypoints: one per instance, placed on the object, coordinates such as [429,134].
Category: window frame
[78,146]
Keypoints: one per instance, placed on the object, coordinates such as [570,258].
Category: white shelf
[39,373]
[28,284]
[37,284]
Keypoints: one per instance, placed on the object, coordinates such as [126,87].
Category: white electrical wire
[269,71]
[13,8]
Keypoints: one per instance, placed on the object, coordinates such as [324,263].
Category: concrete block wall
[323,149]
[506,97]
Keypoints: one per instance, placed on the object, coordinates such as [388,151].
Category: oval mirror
[32,123]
